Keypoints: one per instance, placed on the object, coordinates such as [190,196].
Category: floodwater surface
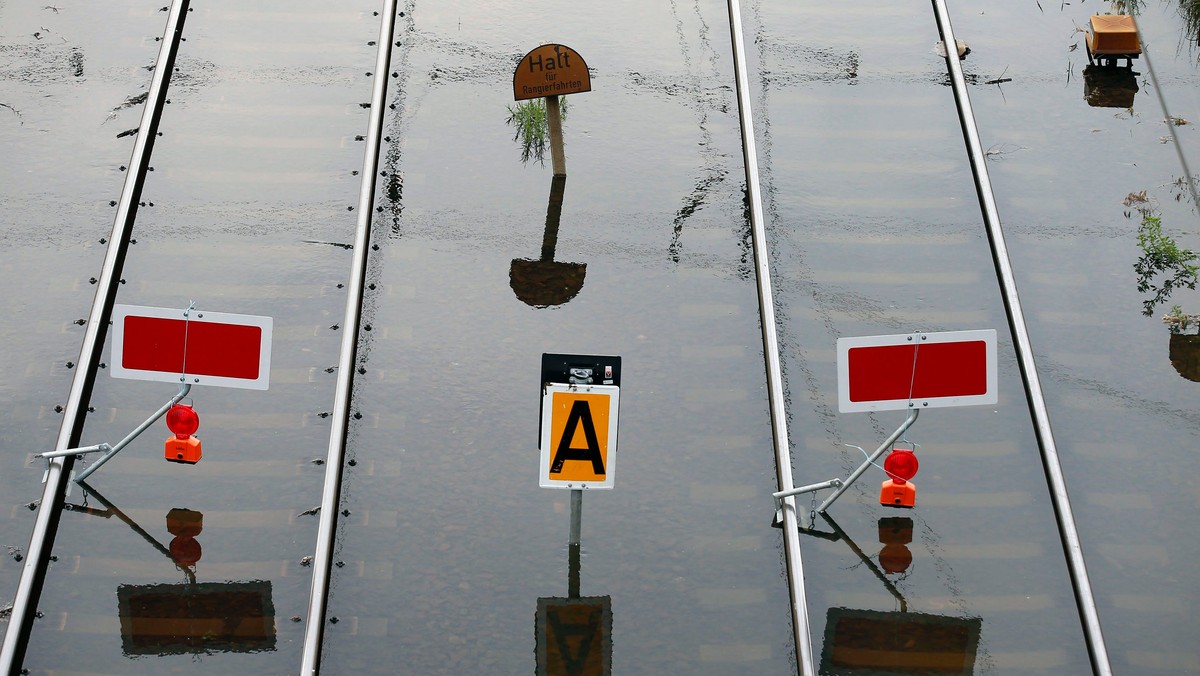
[450,558]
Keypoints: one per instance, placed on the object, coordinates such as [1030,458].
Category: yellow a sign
[579,436]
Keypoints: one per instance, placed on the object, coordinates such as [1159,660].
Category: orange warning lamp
[900,465]
[183,447]
[185,525]
[895,532]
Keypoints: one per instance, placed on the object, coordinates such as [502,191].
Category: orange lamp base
[903,494]
[186,451]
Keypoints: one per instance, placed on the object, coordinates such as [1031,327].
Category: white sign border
[120,312]
[844,345]
[547,453]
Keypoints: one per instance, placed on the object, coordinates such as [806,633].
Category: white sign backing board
[578,436]
[201,348]
[921,370]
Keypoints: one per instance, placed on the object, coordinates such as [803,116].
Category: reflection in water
[1109,87]
[191,617]
[1163,266]
[574,635]
[533,127]
[862,642]
[839,534]
[1184,353]
[205,617]
[895,534]
[1128,6]
[880,643]
[545,282]
[1190,11]
[185,525]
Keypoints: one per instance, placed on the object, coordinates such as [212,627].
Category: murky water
[449,548]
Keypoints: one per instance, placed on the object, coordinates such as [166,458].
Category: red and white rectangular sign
[922,370]
[222,349]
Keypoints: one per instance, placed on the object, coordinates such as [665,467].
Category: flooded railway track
[62,469]
[323,563]
[58,471]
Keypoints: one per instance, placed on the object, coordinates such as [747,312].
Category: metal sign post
[578,442]
[552,71]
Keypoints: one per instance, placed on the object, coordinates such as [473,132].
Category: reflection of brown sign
[882,643]
[574,636]
[546,282]
[168,619]
[550,70]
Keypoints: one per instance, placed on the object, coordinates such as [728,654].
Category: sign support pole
[573,544]
[558,159]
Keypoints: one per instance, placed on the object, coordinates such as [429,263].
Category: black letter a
[580,414]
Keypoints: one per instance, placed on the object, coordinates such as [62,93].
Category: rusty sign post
[552,71]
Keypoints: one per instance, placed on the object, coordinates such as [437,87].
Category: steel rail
[335,457]
[766,307]
[1084,599]
[33,573]
[1167,118]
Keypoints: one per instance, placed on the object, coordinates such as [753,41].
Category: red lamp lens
[183,421]
[185,550]
[901,464]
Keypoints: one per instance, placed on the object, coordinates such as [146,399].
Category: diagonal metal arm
[887,443]
[183,391]
[110,450]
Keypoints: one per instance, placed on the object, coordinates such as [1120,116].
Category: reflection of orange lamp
[894,533]
[185,525]
[900,465]
[183,447]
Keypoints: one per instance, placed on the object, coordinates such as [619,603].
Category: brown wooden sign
[550,70]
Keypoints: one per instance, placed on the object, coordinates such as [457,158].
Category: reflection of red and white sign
[926,370]
[206,348]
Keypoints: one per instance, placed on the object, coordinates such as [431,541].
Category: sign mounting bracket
[111,450]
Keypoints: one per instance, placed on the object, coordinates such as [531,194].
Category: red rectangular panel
[888,372]
[213,349]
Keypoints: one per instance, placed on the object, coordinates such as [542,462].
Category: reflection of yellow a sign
[579,434]
[574,636]
[550,70]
